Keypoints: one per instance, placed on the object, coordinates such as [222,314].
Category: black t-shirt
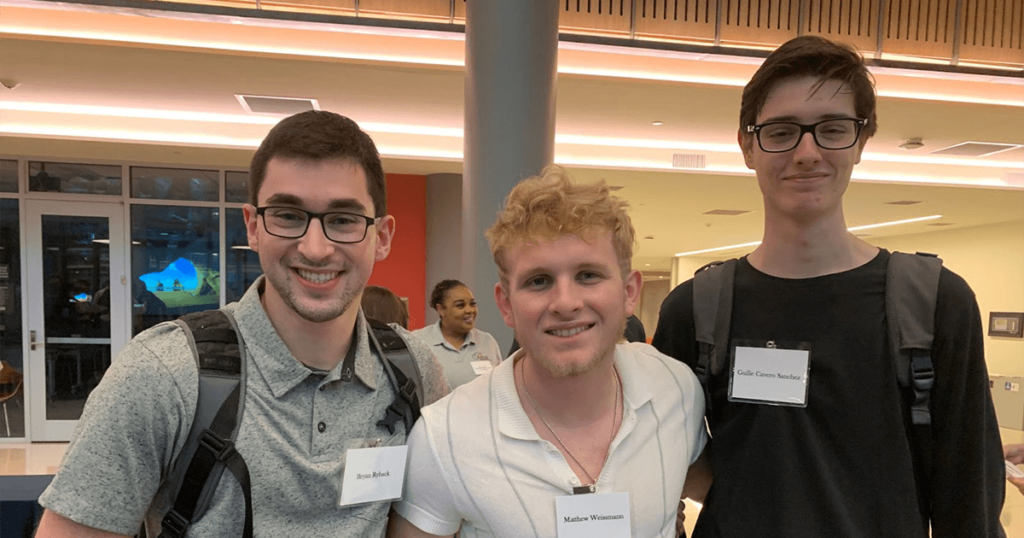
[843,465]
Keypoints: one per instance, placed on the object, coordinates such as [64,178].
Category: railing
[953,32]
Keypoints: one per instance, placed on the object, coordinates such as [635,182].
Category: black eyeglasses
[292,223]
[783,136]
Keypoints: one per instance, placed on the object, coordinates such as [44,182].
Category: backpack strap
[220,356]
[405,376]
[911,288]
[712,314]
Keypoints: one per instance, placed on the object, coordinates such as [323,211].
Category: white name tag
[769,375]
[373,474]
[481,367]
[599,514]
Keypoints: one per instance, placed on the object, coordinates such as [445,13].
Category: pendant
[582,490]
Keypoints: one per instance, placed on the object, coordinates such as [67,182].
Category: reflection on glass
[236,187]
[8,176]
[76,295]
[175,184]
[175,265]
[74,178]
[243,265]
[12,365]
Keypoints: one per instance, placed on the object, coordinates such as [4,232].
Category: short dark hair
[318,135]
[381,304]
[441,289]
[816,57]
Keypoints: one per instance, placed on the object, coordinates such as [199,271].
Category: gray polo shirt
[458,363]
[294,431]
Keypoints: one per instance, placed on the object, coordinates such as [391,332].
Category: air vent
[726,212]
[941,224]
[975,149]
[904,202]
[688,160]
[262,104]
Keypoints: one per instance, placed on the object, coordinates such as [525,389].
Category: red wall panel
[405,269]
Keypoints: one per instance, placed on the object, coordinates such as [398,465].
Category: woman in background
[381,304]
[463,350]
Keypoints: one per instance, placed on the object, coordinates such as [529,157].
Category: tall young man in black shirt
[832,455]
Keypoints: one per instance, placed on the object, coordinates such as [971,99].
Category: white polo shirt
[476,457]
[458,363]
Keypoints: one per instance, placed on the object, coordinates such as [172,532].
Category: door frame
[38,428]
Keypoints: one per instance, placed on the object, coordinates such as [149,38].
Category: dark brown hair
[815,57]
[381,304]
[315,136]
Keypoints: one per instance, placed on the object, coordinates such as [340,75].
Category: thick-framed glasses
[292,223]
[783,136]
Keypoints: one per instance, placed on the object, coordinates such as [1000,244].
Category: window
[175,184]
[74,178]
[236,188]
[243,265]
[175,262]
[12,390]
[8,176]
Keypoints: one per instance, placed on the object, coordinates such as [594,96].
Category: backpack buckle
[922,371]
[173,525]
[219,447]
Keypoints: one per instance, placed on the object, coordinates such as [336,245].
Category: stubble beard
[329,311]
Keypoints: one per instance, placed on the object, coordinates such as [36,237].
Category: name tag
[770,375]
[481,367]
[373,474]
[585,516]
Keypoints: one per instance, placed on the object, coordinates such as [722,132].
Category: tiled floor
[44,458]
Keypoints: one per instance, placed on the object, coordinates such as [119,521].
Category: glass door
[77,288]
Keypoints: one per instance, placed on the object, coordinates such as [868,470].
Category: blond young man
[578,434]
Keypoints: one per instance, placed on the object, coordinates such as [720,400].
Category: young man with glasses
[315,384]
[835,456]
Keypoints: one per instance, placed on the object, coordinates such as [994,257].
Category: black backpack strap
[712,314]
[405,376]
[209,448]
[911,289]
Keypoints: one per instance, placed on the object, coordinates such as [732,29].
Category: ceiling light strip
[853,229]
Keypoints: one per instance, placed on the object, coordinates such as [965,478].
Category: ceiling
[91,80]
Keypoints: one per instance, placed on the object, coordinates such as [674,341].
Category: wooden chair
[10,385]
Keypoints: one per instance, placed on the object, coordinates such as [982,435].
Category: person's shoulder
[953,288]
[680,299]
[166,343]
[434,383]
[655,364]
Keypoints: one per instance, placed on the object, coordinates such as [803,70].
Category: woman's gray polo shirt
[457,363]
[295,428]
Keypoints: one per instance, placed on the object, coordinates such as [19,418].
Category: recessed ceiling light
[657,123]
[647,265]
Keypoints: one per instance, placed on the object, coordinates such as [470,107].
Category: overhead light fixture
[853,229]
[657,123]
[912,143]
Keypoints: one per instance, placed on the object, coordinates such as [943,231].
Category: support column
[511,66]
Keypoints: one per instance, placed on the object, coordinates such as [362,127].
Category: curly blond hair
[547,206]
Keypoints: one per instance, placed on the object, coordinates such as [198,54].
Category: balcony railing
[951,32]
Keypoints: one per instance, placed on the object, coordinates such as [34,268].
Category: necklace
[592,486]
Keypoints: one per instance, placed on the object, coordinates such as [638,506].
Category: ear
[634,282]
[860,149]
[746,142]
[504,302]
[385,233]
[249,214]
